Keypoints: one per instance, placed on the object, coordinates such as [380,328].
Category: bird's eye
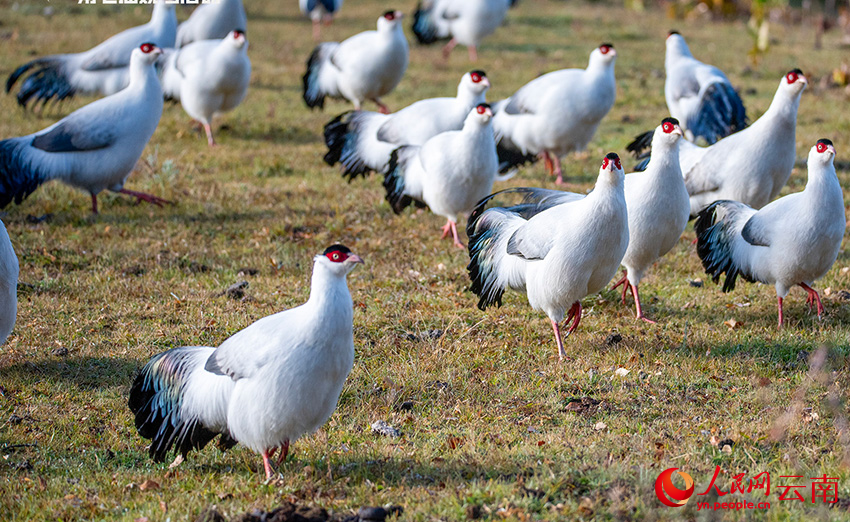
[146,48]
[389,15]
[481,109]
[335,256]
[821,147]
[604,163]
[476,77]
[667,127]
[604,49]
[618,164]
[237,33]
[791,77]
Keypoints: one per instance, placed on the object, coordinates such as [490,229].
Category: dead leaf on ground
[149,485]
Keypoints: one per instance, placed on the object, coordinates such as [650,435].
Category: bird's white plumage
[751,165]
[366,66]
[209,77]
[468,22]
[8,285]
[319,10]
[212,21]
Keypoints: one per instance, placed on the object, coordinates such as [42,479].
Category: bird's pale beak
[678,130]
[354,258]
[399,15]
[803,79]
[486,82]
[157,50]
[831,149]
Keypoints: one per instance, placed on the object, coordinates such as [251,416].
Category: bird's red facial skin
[821,147]
[476,77]
[146,48]
[618,164]
[237,33]
[336,256]
[481,109]
[390,16]
[604,49]
[667,128]
[791,77]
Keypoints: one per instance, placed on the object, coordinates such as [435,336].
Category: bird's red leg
[814,298]
[272,452]
[623,281]
[94,203]
[210,139]
[781,318]
[266,464]
[381,107]
[284,451]
[447,49]
[575,313]
[547,162]
[447,229]
[559,180]
[141,196]
[560,343]
[637,304]
[473,53]
[317,31]
[455,235]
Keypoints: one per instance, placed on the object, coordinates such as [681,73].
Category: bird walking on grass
[104,69]
[362,141]
[208,77]
[658,206]
[450,173]
[464,22]
[556,114]
[364,67]
[320,12]
[94,148]
[557,247]
[265,386]
[212,21]
[8,285]
[793,241]
[750,166]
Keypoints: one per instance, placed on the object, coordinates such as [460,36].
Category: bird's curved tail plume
[342,136]
[641,148]
[721,113]
[511,158]
[47,81]
[158,401]
[19,176]
[394,179]
[423,24]
[314,95]
[718,229]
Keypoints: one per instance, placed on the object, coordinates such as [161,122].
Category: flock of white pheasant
[280,378]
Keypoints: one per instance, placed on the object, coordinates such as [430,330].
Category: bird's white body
[97,146]
[209,77]
[558,112]
[658,206]
[752,165]
[370,137]
[364,67]
[689,82]
[8,285]
[212,21]
[104,69]
[468,21]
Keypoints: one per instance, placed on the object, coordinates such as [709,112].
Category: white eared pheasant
[265,386]
[450,173]
[557,113]
[362,141]
[791,242]
[364,67]
[8,285]
[95,147]
[212,21]
[700,96]
[465,22]
[750,166]
[209,77]
[557,247]
[658,206]
[319,11]
[104,69]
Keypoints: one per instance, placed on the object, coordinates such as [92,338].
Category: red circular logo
[670,495]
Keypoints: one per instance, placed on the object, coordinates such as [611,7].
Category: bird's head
[475,81]
[611,164]
[147,53]
[794,82]
[390,20]
[668,132]
[481,114]
[238,38]
[338,260]
[822,153]
[604,54]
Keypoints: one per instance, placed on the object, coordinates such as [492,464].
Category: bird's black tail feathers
[18,176]
[46,82]
[341,135]
[641,148]
[510,158]
[156,399]
[483,235]
[394,180]
[313,94]
[720,114]
[715,233]
[423,25]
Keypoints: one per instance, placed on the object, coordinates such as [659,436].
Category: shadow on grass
[82,372]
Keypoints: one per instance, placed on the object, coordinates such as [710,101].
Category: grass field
[494,427]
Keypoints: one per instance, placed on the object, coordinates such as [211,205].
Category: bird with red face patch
[95,147]
[750,166]
[364,67]
[363,141]
[557,247]
[450,173]
[658,206]
[104,69]
[265,386]
[208,77]
[464,22]
[790,242]
[556,114]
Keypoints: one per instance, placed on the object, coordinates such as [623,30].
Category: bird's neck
[467,98]
[823,185]
[676,51]
[666,157]
[161,13]
[329,293]
[608,182]
[783,107]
